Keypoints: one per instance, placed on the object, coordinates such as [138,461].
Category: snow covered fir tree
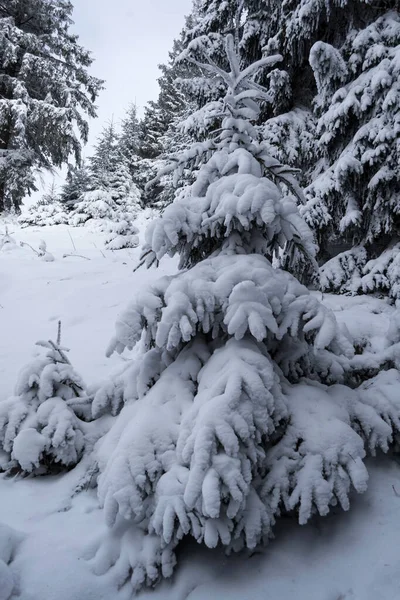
[112,199]
[357,194]
[42,426]
[332,114]
[102,194]
[224,420]
[46,91]
[48,210]
[76,184]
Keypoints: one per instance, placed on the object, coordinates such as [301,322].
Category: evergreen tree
[152,127]
[106,157]
[113,200]
[76,184]
[42,427]
[48,210]
[112,206]
[45,91]
[129,141]
[94,205]
[218,433]
[160,132]
[358,104]
[334,116]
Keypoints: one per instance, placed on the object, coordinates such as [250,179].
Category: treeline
[332,112]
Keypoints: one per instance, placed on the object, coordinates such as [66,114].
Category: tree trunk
[2,205]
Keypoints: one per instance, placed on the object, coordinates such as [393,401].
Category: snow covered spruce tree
[45,92]
[76,184]
[160,131]
[112,200]
[358,193]
[48,210]
[217,433]
[42,427]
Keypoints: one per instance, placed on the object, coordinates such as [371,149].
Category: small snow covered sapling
[6,241]
[121,234]
[41,426]
[42,252]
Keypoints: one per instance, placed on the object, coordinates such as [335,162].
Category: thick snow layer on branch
[236,295]
[230,195]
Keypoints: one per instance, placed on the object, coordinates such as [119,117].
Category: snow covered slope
[347,556]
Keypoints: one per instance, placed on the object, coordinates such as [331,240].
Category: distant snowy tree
[130,142]
[42,425]
[218,433]
[45,92]
[160,134]
[96,204]
[76,184]
[48,210]
[129,138]
[106,157]
[111,213]
[111,200]
[119,182]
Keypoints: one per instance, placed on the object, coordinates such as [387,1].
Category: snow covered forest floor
[352,556]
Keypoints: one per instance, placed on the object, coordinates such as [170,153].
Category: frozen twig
[76,256]
[29,246]
[72,241]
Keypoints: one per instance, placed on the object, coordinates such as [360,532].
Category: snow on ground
[347,556]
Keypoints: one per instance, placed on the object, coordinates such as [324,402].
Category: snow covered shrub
[7,242]
[342,274]
[351,272]
[225,420]
[122,234]
[49,210]
[382,274]
[96,204]
[110,213]
[40,214]
[42,425]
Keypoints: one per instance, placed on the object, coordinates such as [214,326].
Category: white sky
[128,40]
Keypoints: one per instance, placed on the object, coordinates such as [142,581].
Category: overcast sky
[128,39]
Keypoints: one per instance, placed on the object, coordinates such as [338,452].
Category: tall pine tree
[45,90]
[76,184]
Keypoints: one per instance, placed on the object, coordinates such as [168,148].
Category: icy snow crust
[50,533]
